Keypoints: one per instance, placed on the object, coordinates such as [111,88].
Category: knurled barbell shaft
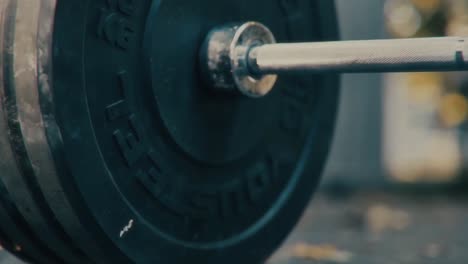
[246,58]
[396,55]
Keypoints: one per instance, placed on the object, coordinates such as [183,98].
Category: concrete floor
[374,227]
[380,228]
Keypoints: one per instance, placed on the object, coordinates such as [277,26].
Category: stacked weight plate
[113,151]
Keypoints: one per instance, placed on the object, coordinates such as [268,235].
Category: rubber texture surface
[70,192]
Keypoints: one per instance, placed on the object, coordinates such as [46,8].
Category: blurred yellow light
[458,26]
[427,6]
[403,19]
[425,87]
[453,110]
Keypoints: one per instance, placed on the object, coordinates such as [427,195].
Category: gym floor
[380,227]
[385,227]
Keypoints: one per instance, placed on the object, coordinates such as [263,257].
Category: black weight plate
[39,206]
[125,157]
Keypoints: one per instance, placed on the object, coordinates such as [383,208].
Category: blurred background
[401,128]
[394,188]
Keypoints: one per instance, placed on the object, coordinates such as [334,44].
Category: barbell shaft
[396,55]
[245,57]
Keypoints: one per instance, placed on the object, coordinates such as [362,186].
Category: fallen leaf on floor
[433,250]
[381,218]
[321,253]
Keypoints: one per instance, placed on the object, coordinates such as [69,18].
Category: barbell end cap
[227,59]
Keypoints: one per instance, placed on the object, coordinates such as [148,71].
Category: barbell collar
[248,60]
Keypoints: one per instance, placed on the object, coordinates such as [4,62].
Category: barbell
[152,131]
